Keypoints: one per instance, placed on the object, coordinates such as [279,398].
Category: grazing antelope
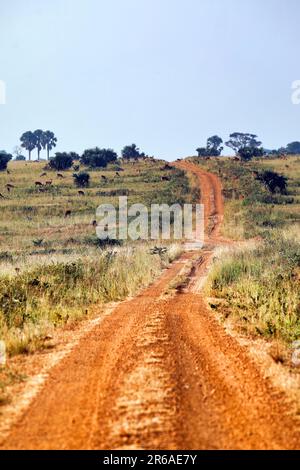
[68,213]
[48,183]
[81,193]
[43,174]
[59,175]
[38,183]
[103,178]
[9,186]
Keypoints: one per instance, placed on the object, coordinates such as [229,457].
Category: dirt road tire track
[160,373]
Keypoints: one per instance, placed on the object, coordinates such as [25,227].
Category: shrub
[247,153]
[273,182]
[4,159]
[131,152]
[98,158]
[62,161]
[81,179]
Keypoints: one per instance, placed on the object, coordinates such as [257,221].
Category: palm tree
[28,140]
[49,141]
[39,141]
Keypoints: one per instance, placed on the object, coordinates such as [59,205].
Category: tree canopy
[293,148]
[98,158]
[239,140]
[132,152]
[213,147]
[39,140]
[28,141]
[4,159]
[81,179]
[61,161]
[273,181]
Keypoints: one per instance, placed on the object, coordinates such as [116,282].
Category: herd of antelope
[42,184]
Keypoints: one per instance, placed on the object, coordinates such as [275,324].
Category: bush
[62,161]
[202,152]
[131,152]
[98,158]
[81,179]
[20,158]
[274,182]
[4,159]
[247,153]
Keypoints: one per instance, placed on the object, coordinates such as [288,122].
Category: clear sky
[165,74]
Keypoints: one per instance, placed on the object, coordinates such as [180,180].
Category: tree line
[245,145]
[94,157]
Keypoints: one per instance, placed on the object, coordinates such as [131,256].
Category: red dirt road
[160,373]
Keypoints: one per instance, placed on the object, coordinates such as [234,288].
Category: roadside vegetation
[258,283]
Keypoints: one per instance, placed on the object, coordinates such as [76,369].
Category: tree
[247,153]
[4,159]
[61,161]
[131,152]
[273,181]
[98,158]
[202,152]
[214,145]
[28,140]
[239,140]
[75,156]
[17,150]
[39,141]
[49,141]
[293,148]
[81,179]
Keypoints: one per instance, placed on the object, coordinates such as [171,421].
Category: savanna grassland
[53,267]
[257,283]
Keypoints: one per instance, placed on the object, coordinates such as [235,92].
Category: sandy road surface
[160,373]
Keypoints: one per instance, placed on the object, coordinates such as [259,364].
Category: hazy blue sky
[165,74]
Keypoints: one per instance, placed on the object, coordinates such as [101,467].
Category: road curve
[160,373]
